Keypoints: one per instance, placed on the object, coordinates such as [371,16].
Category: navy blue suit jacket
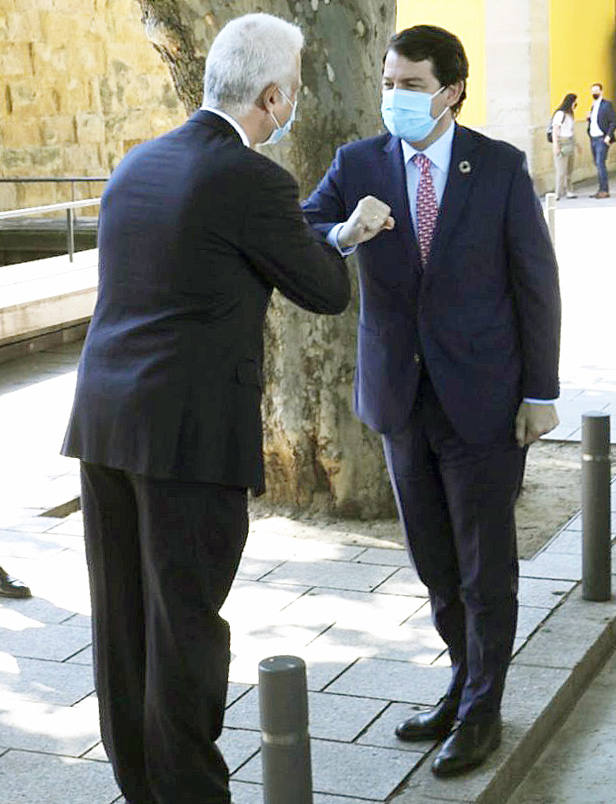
[195,232]
[484,314]
[606,119]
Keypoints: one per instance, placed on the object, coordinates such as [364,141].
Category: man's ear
[454,91]
[267,98]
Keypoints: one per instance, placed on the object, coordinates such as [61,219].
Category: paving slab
[50,641]
[407,642]
[332,717]
[381,732]
[44,681]
[44,779]
[404,581]
[238,746]
[331,574]
[543,592]
[393,681]
[559,566]
[353,770]
[348,608]
[67,730]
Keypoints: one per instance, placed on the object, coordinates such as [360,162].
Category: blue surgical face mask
[281,131]
[406,113]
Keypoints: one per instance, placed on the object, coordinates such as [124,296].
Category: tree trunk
[319,458]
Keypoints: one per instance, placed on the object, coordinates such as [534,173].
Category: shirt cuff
[332,239]
[539,401]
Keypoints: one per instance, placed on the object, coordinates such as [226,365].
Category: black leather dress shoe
[434,724]
[467,747]
[11,587]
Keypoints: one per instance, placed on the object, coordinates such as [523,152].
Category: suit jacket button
[417,358]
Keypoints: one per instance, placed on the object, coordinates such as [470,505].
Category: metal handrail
[43,179]
[69,206]
[17,213]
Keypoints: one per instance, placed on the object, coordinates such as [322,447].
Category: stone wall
[79,85]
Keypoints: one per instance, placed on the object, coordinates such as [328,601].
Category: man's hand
[533,421]
[369,217]
[607,139]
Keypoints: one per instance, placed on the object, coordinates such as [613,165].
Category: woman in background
[563,145]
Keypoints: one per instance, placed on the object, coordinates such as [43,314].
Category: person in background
[11,587]
[563,145]
[601,127]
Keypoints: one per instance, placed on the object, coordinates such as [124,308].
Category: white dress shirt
[231,121]
[595,131]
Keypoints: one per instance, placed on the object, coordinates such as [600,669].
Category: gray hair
[248,54]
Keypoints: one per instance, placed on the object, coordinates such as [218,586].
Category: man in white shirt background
[601,127]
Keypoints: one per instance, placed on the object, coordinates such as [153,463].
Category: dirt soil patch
[551,495]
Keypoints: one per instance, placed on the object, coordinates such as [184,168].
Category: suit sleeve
[283,249]
[326,207]
[534,275]
[611,121]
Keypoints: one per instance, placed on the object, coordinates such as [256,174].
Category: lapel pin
[464,166]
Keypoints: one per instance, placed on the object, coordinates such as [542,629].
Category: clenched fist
[369,217]
[533,421]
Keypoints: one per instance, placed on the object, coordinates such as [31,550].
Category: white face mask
[281,131]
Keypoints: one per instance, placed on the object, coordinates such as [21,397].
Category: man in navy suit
[457,358]
[196,230]
[601,127]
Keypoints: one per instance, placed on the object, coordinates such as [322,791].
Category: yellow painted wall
[581,48]
[466,19]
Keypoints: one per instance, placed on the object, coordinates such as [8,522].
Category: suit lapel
[395,193]
[463,170]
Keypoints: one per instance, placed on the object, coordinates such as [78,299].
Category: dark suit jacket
[484,314]
[606,119]
[195,232]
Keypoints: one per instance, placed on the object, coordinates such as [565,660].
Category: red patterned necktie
[427,206]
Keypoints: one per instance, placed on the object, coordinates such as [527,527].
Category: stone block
[406,643]
[43,681]
[57,130]
[15,60]
[529,619]
[331,574]
[73,94]
[39,777]
[349,770]
[8,193]
[90,127]
[20,133]
[83,160]
[23,25]
[49,59]
[393,681]
[250,601]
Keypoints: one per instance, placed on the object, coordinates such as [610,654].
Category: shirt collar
[231,121]
[439,153]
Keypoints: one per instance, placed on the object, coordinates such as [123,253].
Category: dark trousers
[599,154]
[456,504]
[162,555]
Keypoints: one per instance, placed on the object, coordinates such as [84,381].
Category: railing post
[70,234]
[285,742]
[550,214]
[596,541]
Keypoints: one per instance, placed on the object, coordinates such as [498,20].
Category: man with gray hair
[196,230]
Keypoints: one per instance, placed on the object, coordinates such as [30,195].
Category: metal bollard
[550,214]
[285,742]
[596,541]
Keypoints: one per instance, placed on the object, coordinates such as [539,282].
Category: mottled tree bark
[318,456]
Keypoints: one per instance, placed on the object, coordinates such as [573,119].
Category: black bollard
[596,542]
[285,742]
